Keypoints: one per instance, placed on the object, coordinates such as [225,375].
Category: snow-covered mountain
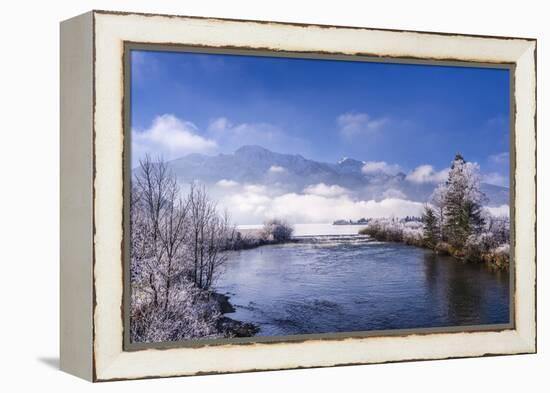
[256,165]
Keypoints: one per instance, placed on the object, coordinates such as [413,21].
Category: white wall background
[29,194]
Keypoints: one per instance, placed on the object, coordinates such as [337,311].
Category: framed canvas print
[245,195]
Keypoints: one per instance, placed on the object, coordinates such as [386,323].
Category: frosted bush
[277,230]
[393,229]
[502,249]
[190,314]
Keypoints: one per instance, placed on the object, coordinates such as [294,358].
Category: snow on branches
[177,246]
[454,221]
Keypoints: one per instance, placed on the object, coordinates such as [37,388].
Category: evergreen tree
[463,201]
[431,228]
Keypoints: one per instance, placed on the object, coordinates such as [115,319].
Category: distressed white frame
[110,31]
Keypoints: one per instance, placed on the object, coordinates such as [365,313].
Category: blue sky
[403,115]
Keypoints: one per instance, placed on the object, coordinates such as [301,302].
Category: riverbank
[247,239]
[229,327]
[297,289]
[497,258]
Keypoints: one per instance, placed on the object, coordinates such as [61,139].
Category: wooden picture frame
[94,117]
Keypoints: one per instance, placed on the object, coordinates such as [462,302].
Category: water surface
[346,282]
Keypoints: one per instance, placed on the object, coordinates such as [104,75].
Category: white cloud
[394,193]
[246,205]
[427,174]
[316,208]
[322,189]
[352,123]
[255,188]
[169,138]
[227,183]
[231,136]
[500,158]
[253,204]
[372,167]
[495,179]
[276,169]
[219,125]
[499,211]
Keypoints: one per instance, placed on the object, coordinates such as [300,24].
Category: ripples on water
[346,283]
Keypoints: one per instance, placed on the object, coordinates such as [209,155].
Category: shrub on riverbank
[499,258]
[273,232]
[454,222]
[193,313]
[395,230]
[487,247]
[277,230]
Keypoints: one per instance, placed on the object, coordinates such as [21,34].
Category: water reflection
[471,293]
[342,284]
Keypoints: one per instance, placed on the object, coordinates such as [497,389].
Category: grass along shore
[481,249]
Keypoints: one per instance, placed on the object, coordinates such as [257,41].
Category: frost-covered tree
[437,202]
[499,227]
[210,234]
[161,215]
[463,201]
[177,247]
[430,227]
[454,221]
[139,239]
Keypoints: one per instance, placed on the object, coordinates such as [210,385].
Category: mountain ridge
[254,164]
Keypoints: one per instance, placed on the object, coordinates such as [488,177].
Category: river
[333,280]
